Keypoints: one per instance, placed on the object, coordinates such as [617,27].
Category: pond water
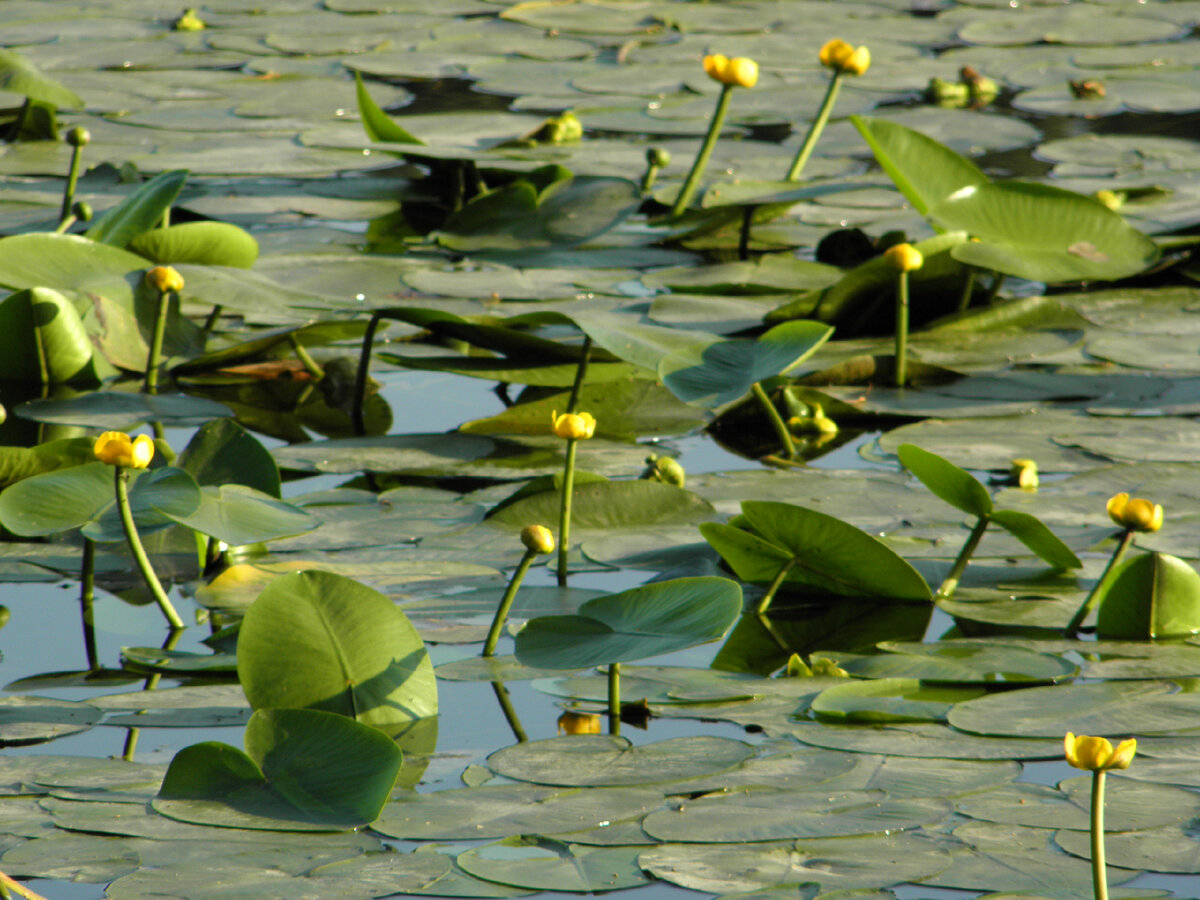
[933,770]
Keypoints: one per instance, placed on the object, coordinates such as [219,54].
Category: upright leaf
[1154,595]
[1033,533]
[140,211]
[376,123]
[956,486]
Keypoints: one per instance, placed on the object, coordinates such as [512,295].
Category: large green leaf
[645,621]
[84,496]
[68,262]
[238,515]
[43,339]
[925,171]
[19,76]
[715,373]
[1043,233]
[303,770]
[140,211]
[223,452]
[204,243]
[322,641]
[1153,595]
[956,486]
[833,556]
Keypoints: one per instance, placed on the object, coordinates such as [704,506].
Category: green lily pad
[889,700]
[542,863]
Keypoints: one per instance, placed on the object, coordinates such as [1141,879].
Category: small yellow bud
[742,71]
[1096,754]
[189,21]
[904,258]
[537,538]
[858,62]
[164,279]
[578,723]
[1024,473]
[1135,513]
[845,58]
[116,448]
[574,426]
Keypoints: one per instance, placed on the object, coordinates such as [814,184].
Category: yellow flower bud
[578,723]
[904,258]
[537,538]
[574,426]
[116,448]
[715,66]
[857,62]
[1024,472]
[742,71]
[164,279]
[1134,513]
[834,54]
[1096,754]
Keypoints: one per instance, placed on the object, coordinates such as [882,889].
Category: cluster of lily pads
[182,346]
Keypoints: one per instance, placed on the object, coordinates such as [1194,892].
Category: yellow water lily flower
[1134,513]
[1024,472]
[904,258]
[843,57]
[116,448]
[574,426]
[164,279]
[578,723]
[740,71]
[537,538]
[1096,754]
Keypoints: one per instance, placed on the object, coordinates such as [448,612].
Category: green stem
[18,888]
[14,133]
[150,684]
[72,181]
[781,429]
[614,698]
[744,233]
[585,353]
[121,480]
[765,602]
[509,712]
[213,318]
[506,602]
[701,162]
[360,380]
[564,512]
[964,301]
[950,584]
[87,596]
[1072,628]
[156,342]
[310,365]
[814,130]
[901,372]
[65,224]
[994,288]
[649,178]
[1099,876]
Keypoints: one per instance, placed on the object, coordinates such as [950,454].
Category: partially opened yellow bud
[1096,754]
[1025,473]
[1135,513]
[164,279]
[834,54]
[116,448]
[904,258]
[537,538]
[715,66]
[578,723]
[858,62]
[574,426]
[741,71]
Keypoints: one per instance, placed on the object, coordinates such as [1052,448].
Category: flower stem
[87,596]
[72,181]
[614,698]
[506,602]
[964,301]
[1072,628]
[701,162]
[901,373]
[360,380]
[785,436]
[585,353]
[156,342]
[774,588]
[1099,877]
[950,584]
[139,552]
[311,366]
[564,512]
[509,711]
[17,888]
[814,130]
